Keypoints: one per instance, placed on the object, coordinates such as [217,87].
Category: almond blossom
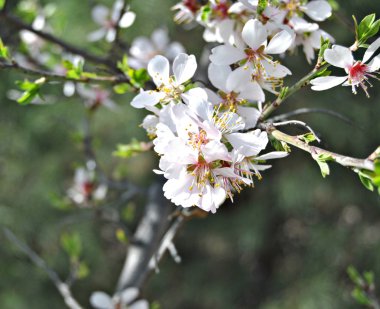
[358,71]
[259,50]
[123,300]
[109,20]
[169,87]
[144,49]
[318,10]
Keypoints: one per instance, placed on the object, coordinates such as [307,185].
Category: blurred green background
[284,244]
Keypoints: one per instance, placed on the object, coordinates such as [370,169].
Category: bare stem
[62,287]
[269,109]
[366,164]
[58,77]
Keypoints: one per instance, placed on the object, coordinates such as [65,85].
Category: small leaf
[131,149]
[83,270]
[366,181]
[360,296]
[4,53]
[307,138]
[122,88]
[121,236]
[72,244]
[31,90]
[205,13]
[354,275]
[321,159]
[262,6]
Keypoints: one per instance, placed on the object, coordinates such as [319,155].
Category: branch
[62,287]
[146,240]
[302,111]
[366,164]
[116,42]
[65,45]
[58,77]
[269,109]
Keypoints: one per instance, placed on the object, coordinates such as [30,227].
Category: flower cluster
[224,20]
[208,145]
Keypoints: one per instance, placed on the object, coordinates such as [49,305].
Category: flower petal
[339,56]
[147,98]
[140,304]
[158,69]
[127,19]
[254,34]
[129,295]
[374,65]
[280,42]
[248,144]
[218,74]
[319,10]
[100,14]
[273,155]
[326,82]
[371,50]
[160,38]
[101,300]
[226,55]
[184,67]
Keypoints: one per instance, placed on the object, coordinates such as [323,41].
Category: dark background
[284,244]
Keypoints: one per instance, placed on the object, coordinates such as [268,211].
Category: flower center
[357,71]
[192,5]
[198,139]
[221,10]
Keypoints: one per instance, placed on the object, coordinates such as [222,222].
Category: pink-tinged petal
[96,35]
[184,67]
[226,55]
[339,56]
[280,42]
[254,34]
[371,50]
[326,82]
[147,98]
[140,304]
[141,48]
[100,14]
[129,295]
[101,300]
[158,69]
[250,115]
[273,155]
[274,69]
[127,19]
[249,144]
[160,38]
[374,65]
[319,10]
[214,151]
[218,74]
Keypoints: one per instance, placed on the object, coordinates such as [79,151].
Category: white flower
[85,188]
[357,72]
[169,88]
[123,300]
[109,20]
[144,49]
[255,36]
[95,97]
[187,10]
[318,10]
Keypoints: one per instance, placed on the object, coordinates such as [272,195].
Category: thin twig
[116,42]
[302,111]
[58,77]
[298,123]
[269,109]
[65,45]
[366,164]
[62,287]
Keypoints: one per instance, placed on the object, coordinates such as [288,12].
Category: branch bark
[366,164]
[62,287]
[146,240]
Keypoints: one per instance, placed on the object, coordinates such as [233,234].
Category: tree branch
[58,77]
[269,109]
[366,164]
[146,240]
[65,45]
[62,287]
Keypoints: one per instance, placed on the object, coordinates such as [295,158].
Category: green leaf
[325,44]
[31,90]
[122,88]
[121,236]
[2,2]
[279,145]
[360,296]
[366,181]
[74,71]
[205,13]
[354,275]
[4,53]
[365,24]
[369,277]
[123,65]
[83,270]
[307,138]
[321,160]
[138,77]
[129,150]
[366,29]
[72,244]
[262,6]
